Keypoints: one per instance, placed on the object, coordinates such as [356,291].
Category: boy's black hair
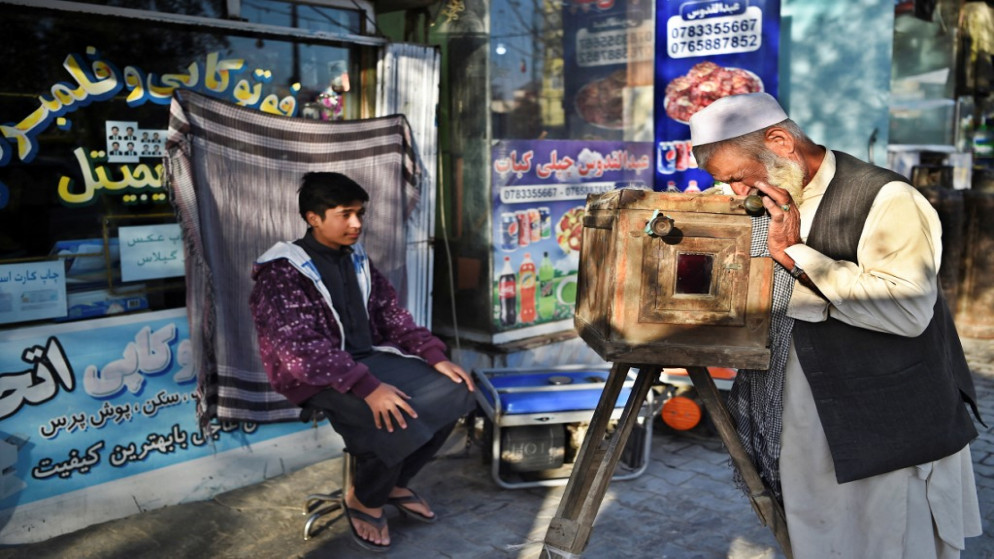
[321,191]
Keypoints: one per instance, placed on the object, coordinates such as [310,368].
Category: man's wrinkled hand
[785,222]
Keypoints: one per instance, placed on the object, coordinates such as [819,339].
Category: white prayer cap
[733,116]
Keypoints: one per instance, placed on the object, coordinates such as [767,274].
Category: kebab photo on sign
[703,84]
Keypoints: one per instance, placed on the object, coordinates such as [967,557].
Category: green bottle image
[546,288]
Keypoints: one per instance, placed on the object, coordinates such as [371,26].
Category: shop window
[303,16]
[571,114]
[86,228]
[572,70]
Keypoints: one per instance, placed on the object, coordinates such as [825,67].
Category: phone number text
[720,35]
[614,47]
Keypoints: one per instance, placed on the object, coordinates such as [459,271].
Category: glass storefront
[571,70]
[86,228]
[569,91]
[574,108]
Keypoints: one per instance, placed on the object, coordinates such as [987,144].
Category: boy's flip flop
[399,502]
[378,522]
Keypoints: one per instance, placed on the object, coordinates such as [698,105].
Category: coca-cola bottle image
[528,282]
[507,286]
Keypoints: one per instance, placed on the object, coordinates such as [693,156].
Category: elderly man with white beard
[860,426]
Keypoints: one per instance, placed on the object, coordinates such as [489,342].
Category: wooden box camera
[667,279]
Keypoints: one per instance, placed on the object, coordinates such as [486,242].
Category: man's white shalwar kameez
[923,511]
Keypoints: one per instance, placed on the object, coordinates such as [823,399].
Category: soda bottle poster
[540,189]
[706,50]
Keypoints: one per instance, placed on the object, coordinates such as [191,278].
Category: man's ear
[779,141]
[312,218]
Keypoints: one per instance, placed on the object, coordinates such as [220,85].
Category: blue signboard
[706,50]
[83,404]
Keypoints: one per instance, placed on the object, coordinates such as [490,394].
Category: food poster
[607,69]
[86,403]
[706,50]
[540,191]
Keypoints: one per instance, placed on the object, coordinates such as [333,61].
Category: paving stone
[674,476]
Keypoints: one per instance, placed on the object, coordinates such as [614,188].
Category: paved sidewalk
[683,507]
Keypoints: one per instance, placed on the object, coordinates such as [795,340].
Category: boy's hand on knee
[387,401]
[455,372]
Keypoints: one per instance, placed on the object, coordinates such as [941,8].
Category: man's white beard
[788,175]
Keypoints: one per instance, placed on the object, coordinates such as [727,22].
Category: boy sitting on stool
[333,337]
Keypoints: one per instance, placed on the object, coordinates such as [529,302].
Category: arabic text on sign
[99,80]
[50,370]
[168,443]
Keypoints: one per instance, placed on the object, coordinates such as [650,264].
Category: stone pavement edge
[683,506]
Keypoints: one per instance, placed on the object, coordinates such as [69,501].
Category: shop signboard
[705,50]
[539,194]
[135,151]
[86,405]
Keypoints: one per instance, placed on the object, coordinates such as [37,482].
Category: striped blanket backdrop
[232,174]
